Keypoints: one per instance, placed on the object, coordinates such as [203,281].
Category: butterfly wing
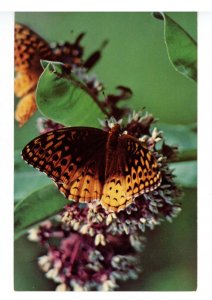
[29,49]
[73,157]
[114,196]
[133,171]
[86,183]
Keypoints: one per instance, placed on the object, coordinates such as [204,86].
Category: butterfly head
[113,137]
[116,129]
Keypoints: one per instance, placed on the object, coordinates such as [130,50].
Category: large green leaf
[36,207]
[186,173]
[27,179]
[64,98]
[181,47]
[182,136]
[28,182]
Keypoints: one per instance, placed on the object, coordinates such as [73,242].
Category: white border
[6,149]
[205,153]
[109,5]
[204,290]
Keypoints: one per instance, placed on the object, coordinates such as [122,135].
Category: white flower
[44,263]
[108,285]
[100,240]
[33,234]
[62,288]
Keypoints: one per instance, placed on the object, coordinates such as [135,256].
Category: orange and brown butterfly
[30,48]
[89,164]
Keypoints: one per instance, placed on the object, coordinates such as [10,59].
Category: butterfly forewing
[73,157]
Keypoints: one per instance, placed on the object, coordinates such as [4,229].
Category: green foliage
[40,205]
[27,179]
[64,98]
[181,47]
[169,260]
[135,57]
[184,137]
[186,173]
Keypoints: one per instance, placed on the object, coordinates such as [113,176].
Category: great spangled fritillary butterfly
[89,164]
[30,48]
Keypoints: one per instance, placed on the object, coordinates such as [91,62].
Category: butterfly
[30,48]
[89,164]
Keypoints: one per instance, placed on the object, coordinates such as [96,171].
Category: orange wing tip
[75,198]
[25,109]
[79,198]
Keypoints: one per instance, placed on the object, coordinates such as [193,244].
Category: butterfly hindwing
[114,197]
[87,183]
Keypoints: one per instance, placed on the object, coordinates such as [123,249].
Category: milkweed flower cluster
[96,249]
[81,263]
[147,210]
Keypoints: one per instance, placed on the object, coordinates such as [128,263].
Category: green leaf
[64,98]
[44,63]
[27,179]
[28,182]
[181,47]
[182,136]
[36,207]
[186,173]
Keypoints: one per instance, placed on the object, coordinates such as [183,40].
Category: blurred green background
[136,57]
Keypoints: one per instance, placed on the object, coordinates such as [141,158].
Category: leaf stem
[82,86]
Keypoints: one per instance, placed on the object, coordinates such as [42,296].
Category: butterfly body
[89,164]
[111,147]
